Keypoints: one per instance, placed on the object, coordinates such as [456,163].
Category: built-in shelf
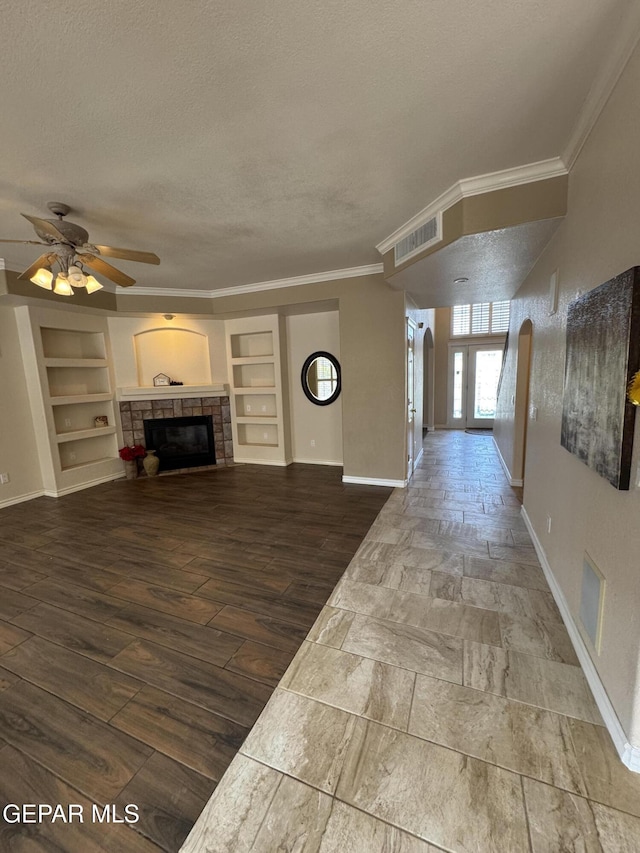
[258,444]
[72,435]
[70,384]
[253,389]
[69,399]
[75,362]
[255,344]
[77,465]
[259,411]
[254,359]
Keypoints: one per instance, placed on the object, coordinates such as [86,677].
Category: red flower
[131,453]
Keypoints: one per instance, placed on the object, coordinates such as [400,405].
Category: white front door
[474,371]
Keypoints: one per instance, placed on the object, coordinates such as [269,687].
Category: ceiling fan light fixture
[92,284]
[76,276]
[62,286]
[43,278]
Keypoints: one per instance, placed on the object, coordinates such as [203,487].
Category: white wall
[18,450]
[122,332]
[307,333]
[598,239]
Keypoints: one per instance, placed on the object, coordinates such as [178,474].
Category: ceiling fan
[68,246]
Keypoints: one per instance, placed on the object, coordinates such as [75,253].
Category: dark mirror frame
[305,385]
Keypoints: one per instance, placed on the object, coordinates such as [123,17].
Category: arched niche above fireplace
[180,353]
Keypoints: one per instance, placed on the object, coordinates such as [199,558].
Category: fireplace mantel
[171,392]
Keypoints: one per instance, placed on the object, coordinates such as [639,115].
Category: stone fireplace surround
[134,412]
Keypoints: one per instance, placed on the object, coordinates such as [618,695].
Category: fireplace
[185,442]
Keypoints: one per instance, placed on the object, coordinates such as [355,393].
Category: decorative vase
[151,463]
[131,469]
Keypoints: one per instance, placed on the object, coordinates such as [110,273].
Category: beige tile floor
[437,703]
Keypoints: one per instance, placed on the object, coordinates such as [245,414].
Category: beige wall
[598,240]
[441,356]
[18,450]
[307,333]
[372,350]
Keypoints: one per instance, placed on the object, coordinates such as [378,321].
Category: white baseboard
[374,481]
[418,458]
[278,463]
[58,493]
[511,480]
[29,496]
[629,755]
[333,462]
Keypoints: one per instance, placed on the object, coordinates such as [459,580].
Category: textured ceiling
[494,262]
[249,141]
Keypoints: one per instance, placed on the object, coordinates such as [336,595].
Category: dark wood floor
[143,626]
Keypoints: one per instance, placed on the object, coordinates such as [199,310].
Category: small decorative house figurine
[162,379]
[101,421]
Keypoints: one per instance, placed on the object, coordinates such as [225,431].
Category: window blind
[481,318]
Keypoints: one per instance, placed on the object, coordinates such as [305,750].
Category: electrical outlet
[248,407]
[67,422]
[264,408]
[4,479]
[72,457]
[548,524]
[533,413]
[313,442]
[265,435]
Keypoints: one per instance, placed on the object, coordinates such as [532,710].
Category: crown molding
[295,281]
[604,84]
[274,284]
[163,291]
[527,174]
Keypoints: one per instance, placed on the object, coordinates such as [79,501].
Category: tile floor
[437,702]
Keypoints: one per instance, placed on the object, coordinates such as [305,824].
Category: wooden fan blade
[128,254]
[34,242]
[43,261]
[107,270]
[47,227]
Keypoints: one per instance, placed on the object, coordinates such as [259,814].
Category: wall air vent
[422,238]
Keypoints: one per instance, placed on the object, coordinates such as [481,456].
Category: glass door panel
[474,372]
[485,364]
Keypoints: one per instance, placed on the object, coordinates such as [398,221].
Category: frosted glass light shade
[62,286]
[43,278]
[92,284]
[76,277]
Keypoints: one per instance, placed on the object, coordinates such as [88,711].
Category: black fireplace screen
[181,442]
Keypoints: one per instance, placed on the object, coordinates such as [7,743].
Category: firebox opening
[181,442]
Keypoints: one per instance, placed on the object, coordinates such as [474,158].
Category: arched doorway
[428,416]
[523,372]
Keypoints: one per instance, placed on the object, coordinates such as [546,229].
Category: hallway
[437,702]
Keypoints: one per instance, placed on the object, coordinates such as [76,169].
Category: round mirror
[321,378]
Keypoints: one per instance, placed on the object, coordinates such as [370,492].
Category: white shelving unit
[70,380]
[256,352]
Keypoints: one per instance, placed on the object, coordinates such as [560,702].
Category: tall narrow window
[458,366]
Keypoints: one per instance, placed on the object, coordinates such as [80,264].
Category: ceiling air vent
[419,240]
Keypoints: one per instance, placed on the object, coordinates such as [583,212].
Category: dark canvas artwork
[603,353]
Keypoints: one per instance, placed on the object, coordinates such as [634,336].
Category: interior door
[474,371]
[411,409]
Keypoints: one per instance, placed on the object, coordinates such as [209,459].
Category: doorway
[521,414]
[411,396]
[474,372]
